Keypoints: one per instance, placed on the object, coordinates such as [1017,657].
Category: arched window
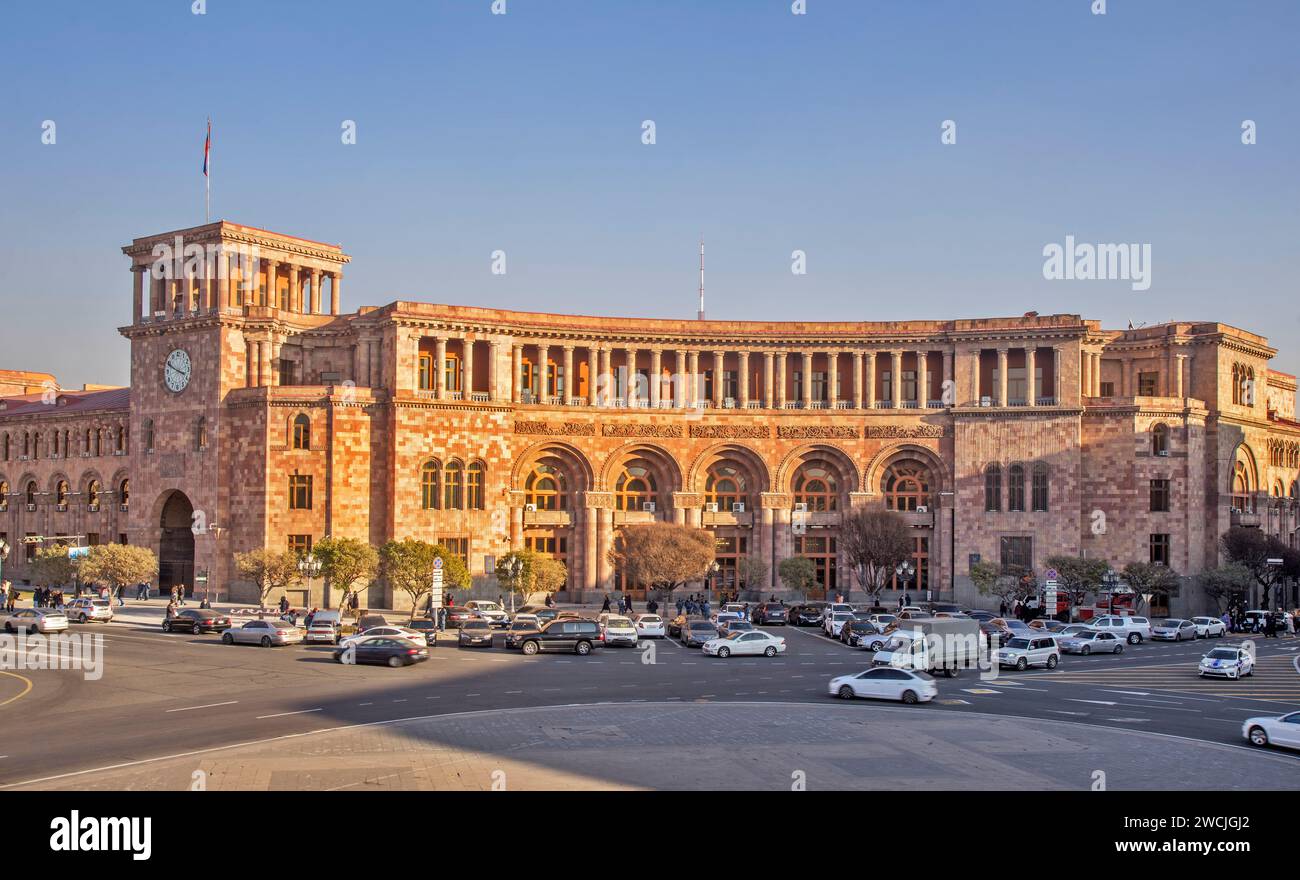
[148,436]
[201,433]
[92,493]
[1040,487]
[6,447]
[545,488]
[429,495]
[993,488]
[31,492]
[635,487]
[1160,439]
[99,441]
[301,431]
[453,486]
[906,486]
[1016,488]
[61,494]
[474,475]
[1241,495]
[725,486]
[815,485]
[124,493]
[121,439]
[1236,383]
[36,446]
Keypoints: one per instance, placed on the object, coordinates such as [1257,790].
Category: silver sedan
[1092,642]
[33,620]
[1173,629]
[263,632]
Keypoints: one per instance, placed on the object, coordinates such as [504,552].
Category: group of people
[693,605]
[1268,625]
[624,605]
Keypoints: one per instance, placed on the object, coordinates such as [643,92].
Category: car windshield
[648,618]
[617,621]
[475,624]
[734,635]
[487,606]
[1018,643]
[282,624]
[1172,624]
[1222,654]
[702,625]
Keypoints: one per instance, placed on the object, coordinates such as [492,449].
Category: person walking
[605,605]
[1270,626]
[284,604]
[171,610]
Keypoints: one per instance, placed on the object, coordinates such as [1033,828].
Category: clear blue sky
[775,132]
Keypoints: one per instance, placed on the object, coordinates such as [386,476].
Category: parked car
[885,683]
[1273,730]
[615,629]
[1047,623]
[1091,641]
[563,634]
[381,650]
[1131,629]
[389,631]
[492,612]
[1025,651]
[1257,618]
[675,625]
[649,626]
[835,621]
[836,608]
[367,621]
[197,620]
[1173,629]
[938,608]
[321,632]
[1210,627]
[32,620]
[882,621]
[425,627]
[696,631]
[770,614]
[458,614]
[84,610]
[476,633]
[266,633]
[805,615]
[730,626]
[1227,661]
[518,627]
[745,643]
[863,634]
[981,615]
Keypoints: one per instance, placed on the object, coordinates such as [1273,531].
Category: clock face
[176,371]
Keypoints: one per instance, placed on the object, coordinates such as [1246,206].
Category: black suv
[569,634]
[769,614]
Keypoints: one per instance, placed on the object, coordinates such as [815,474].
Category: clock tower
[212,308]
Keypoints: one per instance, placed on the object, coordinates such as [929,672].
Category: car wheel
[227,638]
[1051,662]
[1134,638]
[583,648]
[81,619]
[9,627]
[1258,737]
[1251,671]
[530,648]
[167,627]
[846,692]
[770,651]
[1022,664]
[1119,649]
[266,641]
[1085,650]
[909,697]
[724,652]
[1178,636]
[876,646]
[394,662]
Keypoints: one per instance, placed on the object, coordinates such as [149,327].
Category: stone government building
[261,413]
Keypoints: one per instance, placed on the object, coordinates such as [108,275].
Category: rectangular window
[1040,488]
[30,549]
[1160,549]
[818,385]
[822,551]
[1017,554]
[426,372]
[121,539]
[1159,496]
[1107,389]
[92,539]
[458,546]
[1016,489]
[909,384]
[300,545]
[300,492]
[886,384]
[1147,384]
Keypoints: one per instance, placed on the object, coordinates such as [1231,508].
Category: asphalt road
[163,695]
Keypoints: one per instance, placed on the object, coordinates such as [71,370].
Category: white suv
[1025,651]
[835,622]
[1133,629]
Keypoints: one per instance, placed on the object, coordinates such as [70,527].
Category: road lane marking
[1097,702]
[25,691]
[282,714]
[204,706]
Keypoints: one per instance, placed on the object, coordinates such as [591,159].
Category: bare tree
[874,543]
[662,555]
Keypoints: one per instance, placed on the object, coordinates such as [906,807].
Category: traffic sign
[437,563]
[1051,574]
[435,597]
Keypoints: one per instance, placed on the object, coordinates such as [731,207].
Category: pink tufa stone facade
[764,432]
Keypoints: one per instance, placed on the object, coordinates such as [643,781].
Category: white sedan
[650,626]
[886,683]
[835,621]
[1209,627]
[400,632]
[1276,730]
[32,620]
[746,643]
[492,612]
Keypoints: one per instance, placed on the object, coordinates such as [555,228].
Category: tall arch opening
[176,543]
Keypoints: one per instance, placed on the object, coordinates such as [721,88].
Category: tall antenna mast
[700,316]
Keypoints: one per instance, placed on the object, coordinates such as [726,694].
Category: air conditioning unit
[801,507]
[94,508]
[711,507]
[986,401]
[31,508]
[738,507]
[921,508]
[648,507]
[61,507]
[1163,453]
[530,508]
[125,507]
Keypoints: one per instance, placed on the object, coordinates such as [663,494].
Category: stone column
[295,295]
[1031,386]
[693,381]
[232,280]
[869,380]
[592,368]
[1126,388]
[440,368]
[1002,377]
[922,379]
[769,381]
[1056,375]
[1096,374]
[494,352]
[719,359]
[271,270]
[1085,374]
[631,394]
[948,377]
[336,292]
[590,546]
[656,377]
[467,366]
[568,375]
[137,293]
[264,363]
[832,378]
[742,374]
[781,358]
[315,292]
[543,372]
[516,372]
[516,527]
[857,380]
[806,386]
[606,378]
[680,378]
[1179,388]
[604,543]
[896,377]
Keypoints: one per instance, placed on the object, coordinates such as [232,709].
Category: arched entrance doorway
[176,545]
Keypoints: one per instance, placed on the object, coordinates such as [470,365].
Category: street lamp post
[1111,580]
[514,568]
[310,568]
[905,570]
[714,568]
[216,531]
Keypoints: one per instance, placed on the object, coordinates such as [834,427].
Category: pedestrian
[605,605]
[310,615]
[550,600]
[121,600]
[171,610]
[284,604]
[1002,609]
[680,603]
[1290,623]
[1270,626]
[900,603]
